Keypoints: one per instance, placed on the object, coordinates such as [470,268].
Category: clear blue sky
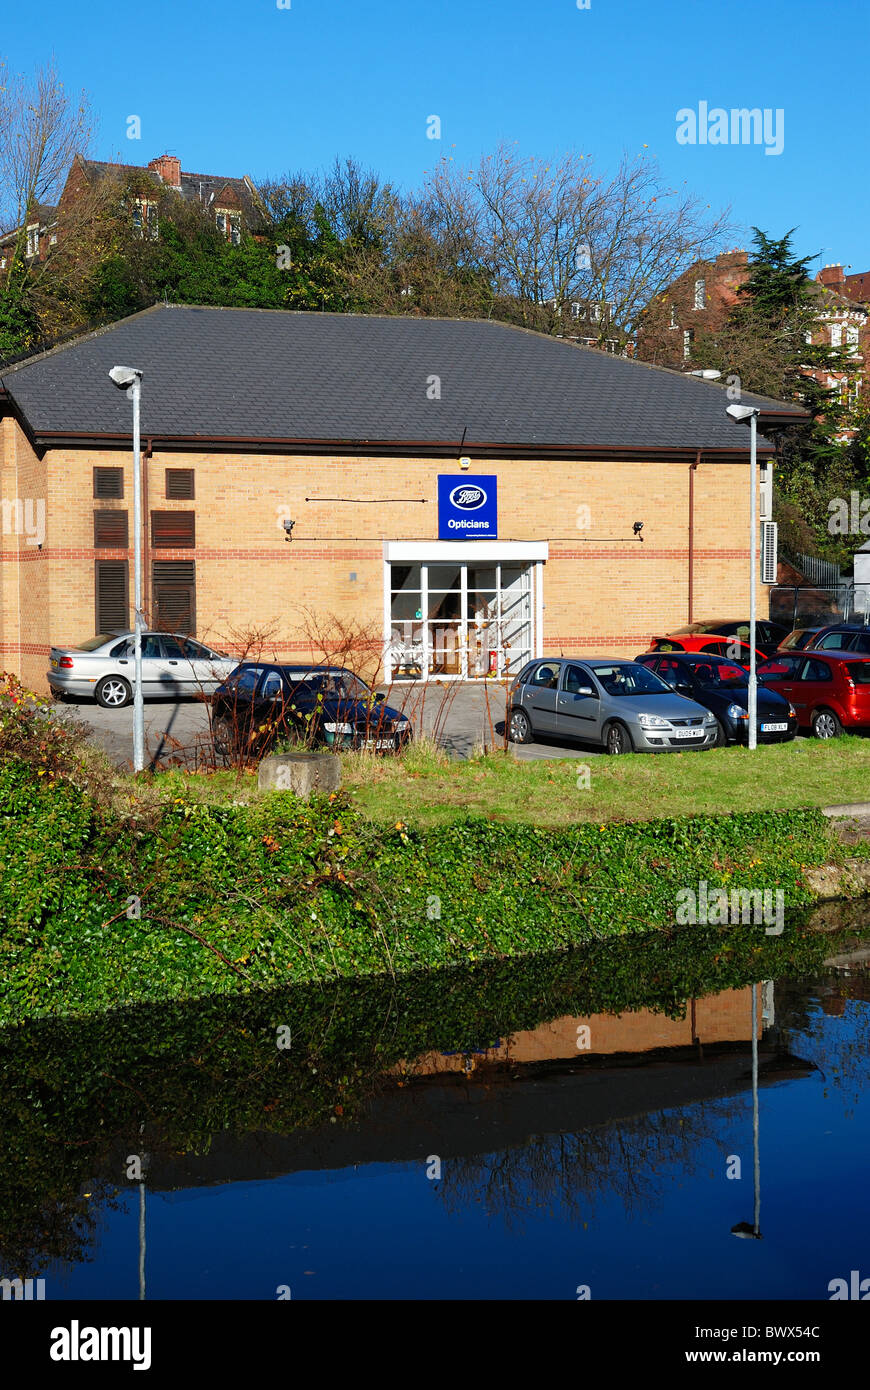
[241,86]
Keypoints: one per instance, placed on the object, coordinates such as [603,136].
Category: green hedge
[282,891]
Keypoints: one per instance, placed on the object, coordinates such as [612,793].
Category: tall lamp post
[742,413]
[129,379]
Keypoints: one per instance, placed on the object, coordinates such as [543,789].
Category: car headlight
[652,721]
[792,712]
[737,712]
[338,728]
[402,724]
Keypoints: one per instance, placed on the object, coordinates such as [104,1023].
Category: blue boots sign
[467,507]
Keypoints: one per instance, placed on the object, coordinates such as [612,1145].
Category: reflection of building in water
[718,1018]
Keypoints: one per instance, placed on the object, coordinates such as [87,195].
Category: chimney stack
[168,168]
[833,278]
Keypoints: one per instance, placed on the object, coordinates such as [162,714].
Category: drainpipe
[692,467]
[146,539]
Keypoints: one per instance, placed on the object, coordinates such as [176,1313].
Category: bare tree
[551,235]
[42,128]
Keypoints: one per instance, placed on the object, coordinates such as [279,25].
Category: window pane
[443,577]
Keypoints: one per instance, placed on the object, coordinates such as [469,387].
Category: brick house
[700,300]
[363,438]
[234,202]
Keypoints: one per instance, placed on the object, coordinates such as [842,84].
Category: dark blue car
[721,686]
[261,702]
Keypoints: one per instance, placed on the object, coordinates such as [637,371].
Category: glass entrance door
[460,621]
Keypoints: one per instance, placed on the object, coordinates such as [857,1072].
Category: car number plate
[54,662]
[380,745]
[688,733]
[774,728]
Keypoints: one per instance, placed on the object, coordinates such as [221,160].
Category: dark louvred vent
[110,529]
[174,587]
[179,484]
[111,592]
[108,483]
[173,530]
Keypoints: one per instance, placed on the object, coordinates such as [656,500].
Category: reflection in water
[583,1092]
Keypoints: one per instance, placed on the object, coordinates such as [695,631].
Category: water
[459,1136]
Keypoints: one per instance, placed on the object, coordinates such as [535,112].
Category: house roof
[282,377]
[194,187]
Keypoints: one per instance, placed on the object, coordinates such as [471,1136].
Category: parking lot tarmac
[460,717]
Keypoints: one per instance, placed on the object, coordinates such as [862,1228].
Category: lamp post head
[742,413]
[124,377]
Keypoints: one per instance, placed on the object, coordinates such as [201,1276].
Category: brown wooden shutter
[110,529]
[179,484]
[174,588]
[108,483]
[173,530]
[111,594]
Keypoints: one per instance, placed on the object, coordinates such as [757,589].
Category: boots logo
[468,499]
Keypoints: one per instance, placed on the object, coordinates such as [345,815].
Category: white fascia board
[466,552]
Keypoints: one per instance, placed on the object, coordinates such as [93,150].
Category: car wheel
[721,736]
[113,692]
[618,740]
[222,738]
[825,724]
[520,727]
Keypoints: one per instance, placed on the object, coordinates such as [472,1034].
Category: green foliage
[244,897]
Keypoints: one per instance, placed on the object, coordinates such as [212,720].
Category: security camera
[288,528]
[638,527]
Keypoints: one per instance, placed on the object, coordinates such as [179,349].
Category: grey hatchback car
[619,704]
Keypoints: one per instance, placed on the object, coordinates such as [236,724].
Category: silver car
[619,704]
[102,668]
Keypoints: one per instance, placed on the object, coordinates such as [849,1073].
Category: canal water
[681,1115]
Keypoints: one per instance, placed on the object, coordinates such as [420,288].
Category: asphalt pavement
[460,717]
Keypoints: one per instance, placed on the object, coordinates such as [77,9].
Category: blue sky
[243,86]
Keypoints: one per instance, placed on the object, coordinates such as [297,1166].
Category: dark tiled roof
[273,375]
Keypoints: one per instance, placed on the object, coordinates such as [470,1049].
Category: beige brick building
[343,426]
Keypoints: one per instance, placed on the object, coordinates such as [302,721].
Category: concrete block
[302,773]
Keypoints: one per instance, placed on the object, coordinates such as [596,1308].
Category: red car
[725,647]
[830,691]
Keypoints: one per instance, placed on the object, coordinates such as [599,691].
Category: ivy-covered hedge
[232,898]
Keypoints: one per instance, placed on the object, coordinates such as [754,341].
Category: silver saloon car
[619,704]
[102,668]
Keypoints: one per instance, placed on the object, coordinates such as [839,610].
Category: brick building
[465,492]
[234,202]
[700,301]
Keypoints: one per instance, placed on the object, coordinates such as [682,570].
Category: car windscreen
[341,683]
[630,679]
[244,678]
[92,643]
